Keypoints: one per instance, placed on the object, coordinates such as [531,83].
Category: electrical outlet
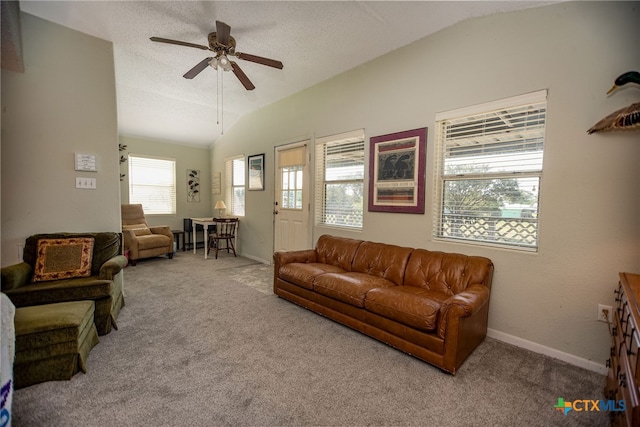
[605,313]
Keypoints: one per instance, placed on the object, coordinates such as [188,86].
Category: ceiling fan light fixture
[224,62]
[214,63]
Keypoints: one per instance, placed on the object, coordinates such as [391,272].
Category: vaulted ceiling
[315,40]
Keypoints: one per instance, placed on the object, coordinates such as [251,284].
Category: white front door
[292,204]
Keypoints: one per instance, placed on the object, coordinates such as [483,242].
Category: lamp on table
[220,206]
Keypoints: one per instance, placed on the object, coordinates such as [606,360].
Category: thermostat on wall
[86,162]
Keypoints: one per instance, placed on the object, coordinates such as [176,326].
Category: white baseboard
[255,258]
[548,351]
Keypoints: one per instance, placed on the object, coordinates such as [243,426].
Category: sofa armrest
[14,276]
[130,239]
[464,304]
[162,229]
[307,255]
[112,267]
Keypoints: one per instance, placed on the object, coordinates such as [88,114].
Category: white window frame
[236,189]
[354,144]
[500,142]
[152,183]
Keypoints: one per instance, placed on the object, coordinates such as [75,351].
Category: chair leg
[233,248]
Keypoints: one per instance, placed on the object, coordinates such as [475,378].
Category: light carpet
[206,343]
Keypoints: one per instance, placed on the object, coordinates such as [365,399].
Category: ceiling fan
[223,45]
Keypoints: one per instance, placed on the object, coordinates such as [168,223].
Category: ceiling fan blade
[260,60]
[162,40]
[242,76]
[223,33]
[197,69]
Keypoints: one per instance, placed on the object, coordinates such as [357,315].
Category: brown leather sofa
[432,305]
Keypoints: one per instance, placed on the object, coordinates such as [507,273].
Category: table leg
[205,230]
[194,239]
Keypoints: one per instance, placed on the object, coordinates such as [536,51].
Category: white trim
[356,135]
[548,351]
[254,258]
[514,101]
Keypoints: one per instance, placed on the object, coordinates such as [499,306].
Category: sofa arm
[130,239]
[109,269]
[14,276]
[162,229]
[464,304]
[307,255]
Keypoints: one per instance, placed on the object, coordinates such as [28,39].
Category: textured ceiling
[314,40]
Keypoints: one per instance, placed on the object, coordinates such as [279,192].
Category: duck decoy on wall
[624,118]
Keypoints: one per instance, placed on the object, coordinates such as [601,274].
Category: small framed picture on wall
[256,172]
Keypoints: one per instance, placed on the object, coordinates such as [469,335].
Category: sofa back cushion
[338,251]
[63,259]
[106,245]
[382,260]
[448,273]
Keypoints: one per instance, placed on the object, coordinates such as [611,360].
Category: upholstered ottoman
[53,341]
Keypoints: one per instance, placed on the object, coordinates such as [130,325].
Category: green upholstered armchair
[141,240]
[61,267]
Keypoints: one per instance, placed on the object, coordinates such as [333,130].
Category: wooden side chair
[225,234]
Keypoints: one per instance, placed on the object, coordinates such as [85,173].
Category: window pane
[291,187]
[343,205]
[238,201]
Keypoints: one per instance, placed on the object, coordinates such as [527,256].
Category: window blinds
[235,178]
[152,183]
[339,180]
[489,162]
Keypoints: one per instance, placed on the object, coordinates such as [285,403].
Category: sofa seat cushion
[409,305]
[44,325]
[153,241]
[53,341]
[303,274]
[349,288]
[76,289]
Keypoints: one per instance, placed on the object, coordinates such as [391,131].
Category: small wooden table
[205,223]
[176,237]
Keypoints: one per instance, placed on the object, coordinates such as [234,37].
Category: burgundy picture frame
[397,163]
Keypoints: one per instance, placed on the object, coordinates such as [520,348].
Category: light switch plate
[86,183]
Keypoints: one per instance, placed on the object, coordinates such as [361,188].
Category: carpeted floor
[206,343]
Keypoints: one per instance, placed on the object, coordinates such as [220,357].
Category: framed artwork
[216,183]
[193,186]
[397,170]
[256,172]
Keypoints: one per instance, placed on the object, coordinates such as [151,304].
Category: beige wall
[64,102]
[186,157]
[590,198]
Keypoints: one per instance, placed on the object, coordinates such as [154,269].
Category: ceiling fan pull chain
[222,103]
[217,96]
